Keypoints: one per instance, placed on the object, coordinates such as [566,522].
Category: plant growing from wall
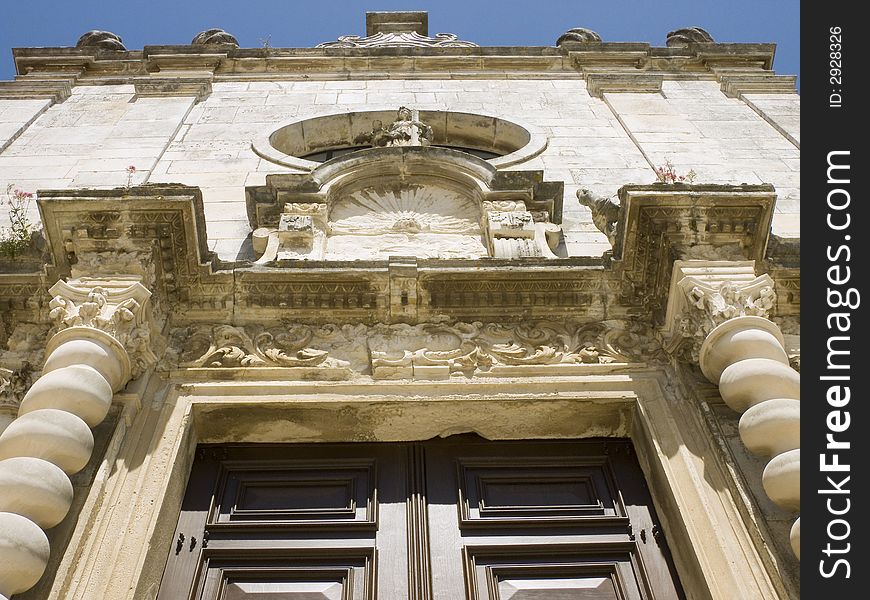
[15,239]
[668,174]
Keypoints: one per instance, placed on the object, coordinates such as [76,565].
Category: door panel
[444,519]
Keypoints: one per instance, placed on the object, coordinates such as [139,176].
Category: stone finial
[214,36]
[688,35]
[578,34]
[104,40]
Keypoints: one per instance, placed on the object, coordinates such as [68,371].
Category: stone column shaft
[86,363]
[722,309]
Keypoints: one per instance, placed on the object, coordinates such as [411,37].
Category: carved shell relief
[404,197]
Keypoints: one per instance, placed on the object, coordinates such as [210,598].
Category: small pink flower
[131,169]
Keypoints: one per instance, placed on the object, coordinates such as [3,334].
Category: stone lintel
[598,84]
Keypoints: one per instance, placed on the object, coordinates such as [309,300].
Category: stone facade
[390,238]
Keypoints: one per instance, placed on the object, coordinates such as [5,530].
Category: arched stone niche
[515,142]
[423,201]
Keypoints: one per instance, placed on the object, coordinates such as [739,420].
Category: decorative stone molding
[158,87]
[660,222]
[735,85]
[598,84]
[423,351]
[214,36]
[403,39]
[56,90]
[578,35]
[688,35]
[104,40]
[722,310]
[118,308]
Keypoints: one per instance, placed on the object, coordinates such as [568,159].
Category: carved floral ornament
[402,351]
[705,294]
[117,308]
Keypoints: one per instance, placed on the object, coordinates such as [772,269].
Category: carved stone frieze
[396,351]
[119,308]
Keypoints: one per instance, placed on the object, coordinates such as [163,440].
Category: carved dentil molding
[396,351]
[116,307]
[705,294]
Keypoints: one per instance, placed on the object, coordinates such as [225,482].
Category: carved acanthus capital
[13,385]
[705,294]
[119,308]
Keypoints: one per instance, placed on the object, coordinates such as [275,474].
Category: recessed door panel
[452,519]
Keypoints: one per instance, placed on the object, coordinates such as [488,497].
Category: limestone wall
[91,138]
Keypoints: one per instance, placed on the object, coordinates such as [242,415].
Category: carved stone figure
[104,40]
[688,35]
[578,34]
[406,130]
[214,36]
[605,212]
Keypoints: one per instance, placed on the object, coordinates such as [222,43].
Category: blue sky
[294,23]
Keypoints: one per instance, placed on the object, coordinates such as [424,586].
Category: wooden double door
[458,518]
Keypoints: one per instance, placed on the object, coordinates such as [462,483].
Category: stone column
[100,340]
[721,310]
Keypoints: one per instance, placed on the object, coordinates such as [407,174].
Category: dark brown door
[444,519]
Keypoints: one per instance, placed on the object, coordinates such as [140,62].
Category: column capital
[116,307]
[704,294]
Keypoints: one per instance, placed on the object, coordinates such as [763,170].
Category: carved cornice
[705,294]
[735,85]
[118,308]
[56,90]
[160,227]
[662,222]
[424,351]
[433,56]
